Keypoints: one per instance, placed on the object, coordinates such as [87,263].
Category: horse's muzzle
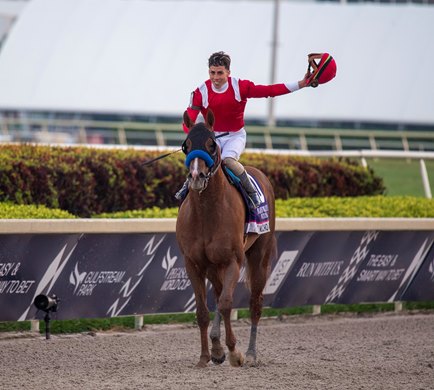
[198,182]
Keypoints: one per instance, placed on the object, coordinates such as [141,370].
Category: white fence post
[398,306]
[316,310]
[34,326]
[234,314]
[138,322]
[425,179]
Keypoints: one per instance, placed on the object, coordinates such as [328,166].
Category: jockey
[226,97]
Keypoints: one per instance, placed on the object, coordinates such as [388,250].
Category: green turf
[403,177]
[127,322]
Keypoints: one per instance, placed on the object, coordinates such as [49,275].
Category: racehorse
[210,235]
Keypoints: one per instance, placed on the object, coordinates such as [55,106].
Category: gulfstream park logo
[176,278]
[85,282]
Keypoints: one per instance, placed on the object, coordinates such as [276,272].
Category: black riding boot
[250,189]
[182,193]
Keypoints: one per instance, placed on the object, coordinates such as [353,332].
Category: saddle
[257,219]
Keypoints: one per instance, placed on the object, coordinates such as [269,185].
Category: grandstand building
[139,60]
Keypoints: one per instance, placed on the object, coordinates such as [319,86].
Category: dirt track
[389,351]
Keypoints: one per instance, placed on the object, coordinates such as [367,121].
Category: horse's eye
[185,146]
[211,146]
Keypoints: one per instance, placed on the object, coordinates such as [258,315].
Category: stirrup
[254,199]
[182,193]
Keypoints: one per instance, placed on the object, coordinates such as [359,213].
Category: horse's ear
[210,119]
[187,120]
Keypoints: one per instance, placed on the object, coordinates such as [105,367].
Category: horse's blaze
[197,176]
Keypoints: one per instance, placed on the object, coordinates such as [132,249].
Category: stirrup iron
[182,193]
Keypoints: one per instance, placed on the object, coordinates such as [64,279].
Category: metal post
[338,142]
[425,179]
[372,142]
[406,146]
[47,319]
[274,43]
[268,140]
[303,142]
[159,136]
[122,136]
[82,135]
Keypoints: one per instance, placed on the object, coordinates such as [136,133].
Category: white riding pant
[233,144]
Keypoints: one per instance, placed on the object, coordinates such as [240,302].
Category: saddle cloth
[257,220]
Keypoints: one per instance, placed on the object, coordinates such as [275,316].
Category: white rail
[363,155]
[165,134]
[168,225]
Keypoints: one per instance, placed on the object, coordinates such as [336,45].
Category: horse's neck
[217,186]
[218,208]
[209,201]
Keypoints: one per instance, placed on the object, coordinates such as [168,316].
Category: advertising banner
[422,286]
[111,275]
[26,261]
[93,275]
[319,267]
[289,247]
[389,267]
[107,275]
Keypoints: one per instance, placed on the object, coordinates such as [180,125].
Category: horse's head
[202,151]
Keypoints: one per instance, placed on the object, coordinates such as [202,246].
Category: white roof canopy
[145,57]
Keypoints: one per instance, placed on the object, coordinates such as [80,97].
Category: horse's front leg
[202,313]
[218,355]
[232,274]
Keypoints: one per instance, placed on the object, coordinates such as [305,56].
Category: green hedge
[330,207]
[369,207]
[314,177]
[86,181]
[12,211]
[356,207]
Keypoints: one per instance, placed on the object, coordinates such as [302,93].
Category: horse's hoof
[218,360]
[203,361]
[201,364]
[236,359]
[250,361]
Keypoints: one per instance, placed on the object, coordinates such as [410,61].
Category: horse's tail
[258,265]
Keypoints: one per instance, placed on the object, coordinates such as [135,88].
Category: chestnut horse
[210,234]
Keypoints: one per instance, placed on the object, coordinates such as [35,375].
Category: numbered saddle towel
[257,220]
